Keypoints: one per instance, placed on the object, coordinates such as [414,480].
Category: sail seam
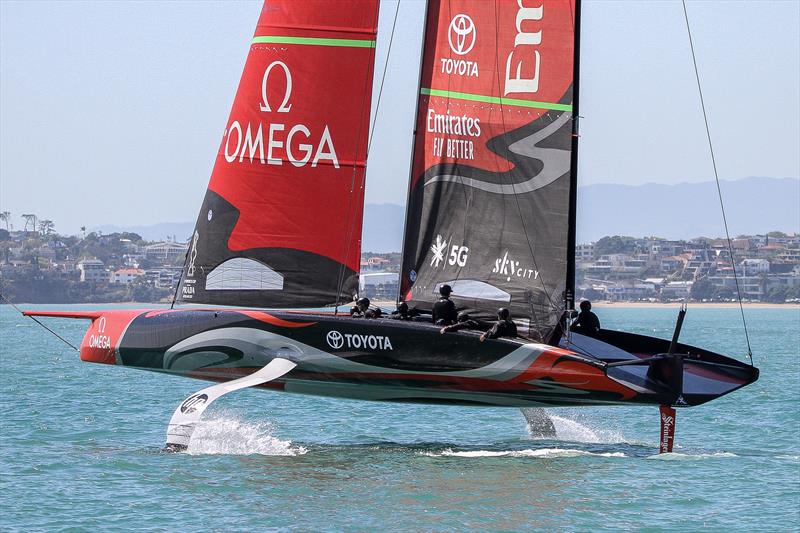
[495,99]
[314,41]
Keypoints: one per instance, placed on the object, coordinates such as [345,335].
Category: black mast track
[569,295]
[413,150]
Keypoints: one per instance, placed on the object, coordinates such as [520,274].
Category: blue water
[80,449]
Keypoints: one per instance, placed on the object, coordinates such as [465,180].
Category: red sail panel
[489,68]
[489,197]
[286,192]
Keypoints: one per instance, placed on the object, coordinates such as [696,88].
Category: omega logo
[283,108]
[463,29]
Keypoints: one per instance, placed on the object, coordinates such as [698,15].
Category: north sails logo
[509,268]
[354,340]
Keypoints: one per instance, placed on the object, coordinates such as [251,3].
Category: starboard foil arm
[187,415]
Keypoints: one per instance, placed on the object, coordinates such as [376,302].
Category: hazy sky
[112,112]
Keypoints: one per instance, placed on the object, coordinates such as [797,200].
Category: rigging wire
[716,177]
[65,341]
[383,77]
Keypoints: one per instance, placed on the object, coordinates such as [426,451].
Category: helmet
[445,290]
[503,313]
[586,305]
[463,316]
[402,307]
[363,303]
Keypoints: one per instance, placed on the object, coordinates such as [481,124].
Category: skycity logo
[353,340]
[510,268]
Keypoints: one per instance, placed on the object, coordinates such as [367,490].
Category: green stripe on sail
[496,100]
[314,41]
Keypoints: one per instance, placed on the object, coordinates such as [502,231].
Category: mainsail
[280,224]
[489,200]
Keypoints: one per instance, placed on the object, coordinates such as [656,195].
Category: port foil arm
[187,415]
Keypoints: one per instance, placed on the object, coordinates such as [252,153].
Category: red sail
[281,221]
[489,198]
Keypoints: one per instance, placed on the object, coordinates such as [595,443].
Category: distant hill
[154,232]
[688,210]
[682,211]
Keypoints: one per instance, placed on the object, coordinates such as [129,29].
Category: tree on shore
[31,219]
[46,227]
[5,216]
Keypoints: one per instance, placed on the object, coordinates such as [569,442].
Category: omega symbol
[283,108]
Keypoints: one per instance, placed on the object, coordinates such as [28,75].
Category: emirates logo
[461,34]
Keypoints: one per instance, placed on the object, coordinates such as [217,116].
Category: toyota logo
[335,339]
[462,29]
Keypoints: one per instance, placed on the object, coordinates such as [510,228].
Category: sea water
[80,449]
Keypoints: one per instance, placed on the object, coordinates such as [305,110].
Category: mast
[569,293]
[413,146]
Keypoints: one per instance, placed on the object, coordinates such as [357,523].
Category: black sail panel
[488,209]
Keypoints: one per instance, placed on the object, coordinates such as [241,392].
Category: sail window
[241,273]
[475,289]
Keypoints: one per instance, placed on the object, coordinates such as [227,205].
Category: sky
[112,112]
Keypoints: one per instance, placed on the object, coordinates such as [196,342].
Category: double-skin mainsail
[280,225]
[489,199]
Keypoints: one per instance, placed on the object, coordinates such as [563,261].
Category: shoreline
[692,305]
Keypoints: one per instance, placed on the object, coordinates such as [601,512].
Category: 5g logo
[458,256]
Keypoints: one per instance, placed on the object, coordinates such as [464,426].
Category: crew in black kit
[444,311]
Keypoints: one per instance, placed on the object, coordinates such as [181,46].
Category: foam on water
[573,431]
[676,456]
[547,453]
[225,434]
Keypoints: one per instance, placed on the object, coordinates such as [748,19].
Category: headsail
[488,207]
[280,224]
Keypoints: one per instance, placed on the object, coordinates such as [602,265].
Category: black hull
[390,360]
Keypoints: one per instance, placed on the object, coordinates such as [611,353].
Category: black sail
[489,201]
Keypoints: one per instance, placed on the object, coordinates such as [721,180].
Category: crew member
[363,310]
[464,322]
[401,313]
[587,322]
[444,311]
[504,327]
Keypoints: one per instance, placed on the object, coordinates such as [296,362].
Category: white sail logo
[505,266]
[264,106]
[246,140]
[193,254]
[517,83]
[461,35]
[462,28]
[458,253]
[438,249]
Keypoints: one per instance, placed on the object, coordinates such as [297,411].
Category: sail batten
[488,207]
[280,222]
